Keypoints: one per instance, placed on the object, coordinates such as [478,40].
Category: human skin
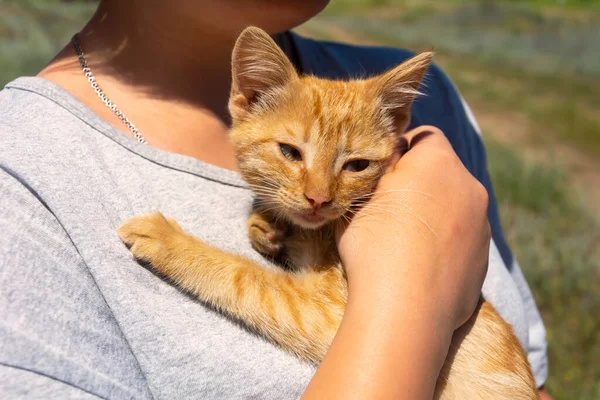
[167,66]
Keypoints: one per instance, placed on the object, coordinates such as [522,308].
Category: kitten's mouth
[312,217]
[309,220]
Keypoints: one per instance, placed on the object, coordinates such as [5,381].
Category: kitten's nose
[317,200]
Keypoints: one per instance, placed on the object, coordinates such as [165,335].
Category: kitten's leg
[486,361]
[300,312]
[266,235]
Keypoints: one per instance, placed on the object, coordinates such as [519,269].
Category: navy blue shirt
[441,106]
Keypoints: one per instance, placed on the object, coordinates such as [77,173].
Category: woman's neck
[168,76]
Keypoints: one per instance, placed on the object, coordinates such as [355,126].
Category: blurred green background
[530,71]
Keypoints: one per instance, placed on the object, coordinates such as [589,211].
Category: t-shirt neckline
[67,101]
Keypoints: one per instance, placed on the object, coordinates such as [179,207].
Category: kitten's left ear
[397,88]
[258,67]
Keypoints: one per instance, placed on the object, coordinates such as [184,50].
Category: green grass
[557,242]
[33,31]
[581,4]
[515,33]
[533,187]
[586,5]
[565,106]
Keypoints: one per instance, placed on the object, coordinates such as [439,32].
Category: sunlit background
[530,71]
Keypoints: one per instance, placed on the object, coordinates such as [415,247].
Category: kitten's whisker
[381,208]
[364,212]
[361,214]
[261,195]
[406,191]
[381,171]
[407,221]
[358,225]
[371,194]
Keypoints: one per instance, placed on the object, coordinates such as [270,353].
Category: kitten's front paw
[153,238]
[265,236]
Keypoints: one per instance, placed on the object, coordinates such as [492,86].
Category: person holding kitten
[82,319]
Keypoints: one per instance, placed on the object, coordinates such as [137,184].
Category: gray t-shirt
[80,318]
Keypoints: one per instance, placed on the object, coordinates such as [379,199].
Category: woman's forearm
[383,350]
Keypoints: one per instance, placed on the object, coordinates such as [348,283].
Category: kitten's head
[311,148]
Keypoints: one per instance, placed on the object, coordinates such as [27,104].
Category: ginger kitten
[311,149]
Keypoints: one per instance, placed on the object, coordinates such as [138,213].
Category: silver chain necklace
[92,79]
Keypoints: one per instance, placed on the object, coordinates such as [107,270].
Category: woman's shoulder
[48,143]
[42,124]
[36,131]
[31,114]
[28,100]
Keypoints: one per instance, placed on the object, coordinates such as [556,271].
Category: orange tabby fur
[330,124]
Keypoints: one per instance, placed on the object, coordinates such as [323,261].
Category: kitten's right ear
[258,66]
[396,89]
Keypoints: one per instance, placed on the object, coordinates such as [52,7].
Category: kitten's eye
[356,165]
[290,152]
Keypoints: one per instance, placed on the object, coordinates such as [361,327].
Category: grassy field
[32,32]
[531,72]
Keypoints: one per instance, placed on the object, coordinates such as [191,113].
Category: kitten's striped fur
[329,123]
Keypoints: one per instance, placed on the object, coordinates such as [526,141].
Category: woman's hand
[415,256]
[424,232]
